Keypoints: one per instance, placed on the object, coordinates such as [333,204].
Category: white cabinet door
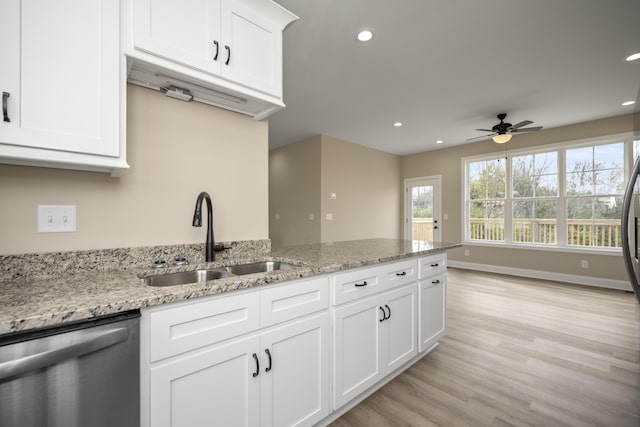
[432,301]
[10,69]
[399,329]
[356,343]
[211,387]
[69,67]
[186,32]
[252,48]
[294,379]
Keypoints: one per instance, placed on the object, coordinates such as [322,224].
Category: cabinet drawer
[400,273]
[295,300]
[432,265]
[356,284]
[193,325]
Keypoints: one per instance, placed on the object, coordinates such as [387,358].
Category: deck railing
[599,233]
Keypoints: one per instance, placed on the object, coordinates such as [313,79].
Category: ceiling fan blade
[485,130]
[528,129]
[478,137]
[519,125]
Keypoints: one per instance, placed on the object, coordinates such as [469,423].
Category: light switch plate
[56,218]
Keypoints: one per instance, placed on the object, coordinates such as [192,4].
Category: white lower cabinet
[194,374]
[432,297]
[277,356]
[372,337]
[212,387]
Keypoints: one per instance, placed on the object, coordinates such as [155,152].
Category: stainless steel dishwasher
[79,375]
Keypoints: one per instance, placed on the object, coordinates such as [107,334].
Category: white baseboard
[546,275]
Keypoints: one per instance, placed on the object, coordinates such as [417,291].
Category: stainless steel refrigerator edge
[79,375]
[630,215]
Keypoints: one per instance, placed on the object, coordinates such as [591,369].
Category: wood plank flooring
[520,352]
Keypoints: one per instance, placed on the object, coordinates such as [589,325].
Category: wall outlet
[445,216]
[56,218]
[277,216]
[312,217]
[329,217]
[584,263]
[332,196]
[466,252]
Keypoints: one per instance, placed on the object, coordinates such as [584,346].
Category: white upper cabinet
[226,53]
[62,83]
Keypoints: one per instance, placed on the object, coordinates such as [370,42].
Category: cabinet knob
[257,372]
[228,54]
[217,45]
[5,107]
[268,368]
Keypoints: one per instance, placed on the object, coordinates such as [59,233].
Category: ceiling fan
[502,131]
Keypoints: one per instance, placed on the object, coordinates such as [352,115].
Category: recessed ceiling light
[364,36]
[439,141]
[627,103]
[633,57]
[397,124]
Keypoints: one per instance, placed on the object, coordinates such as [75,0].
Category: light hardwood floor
[520,352]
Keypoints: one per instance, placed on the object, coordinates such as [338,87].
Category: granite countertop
[34,302]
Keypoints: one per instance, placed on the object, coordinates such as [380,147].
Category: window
[567,195]
[486,189]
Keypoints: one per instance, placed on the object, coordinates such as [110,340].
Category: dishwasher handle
[33,362]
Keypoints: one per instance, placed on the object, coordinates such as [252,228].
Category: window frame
[561,244]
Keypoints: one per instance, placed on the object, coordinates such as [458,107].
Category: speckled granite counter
[34,302]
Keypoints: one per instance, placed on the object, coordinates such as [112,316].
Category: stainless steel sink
[258,267]
[204,275]
[184,277]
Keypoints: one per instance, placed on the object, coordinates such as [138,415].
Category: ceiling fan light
[502,138]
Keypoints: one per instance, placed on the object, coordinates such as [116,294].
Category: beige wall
[294,193]
[447,162]
[175,150]
[368,192]
[366,183]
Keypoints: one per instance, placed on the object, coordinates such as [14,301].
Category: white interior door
[423,200]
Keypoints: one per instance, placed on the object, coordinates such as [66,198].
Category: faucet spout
[197,222]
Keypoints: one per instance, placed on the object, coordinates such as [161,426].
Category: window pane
[579,183]
[579,159]
[606,225]
[609,181]
[546,186]
[487,180]
[609,156]
[579,221]
[486,220]
[535,175]
[535,221]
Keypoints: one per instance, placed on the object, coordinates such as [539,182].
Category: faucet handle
[159,263]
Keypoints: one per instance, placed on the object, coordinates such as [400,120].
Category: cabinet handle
[384,315]
[257,372]
[215,57]
[435,264]
[361,284]
[5,108]
[388,308]
[404,273]
[435,282]
[266,350]
[228,55]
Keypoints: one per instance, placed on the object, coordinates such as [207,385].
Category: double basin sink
[204,275]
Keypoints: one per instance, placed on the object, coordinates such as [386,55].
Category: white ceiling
[446,67]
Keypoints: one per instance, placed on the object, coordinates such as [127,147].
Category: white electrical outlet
[332,196]
[466,252]
[56,218]
[329,217]
[312,217]
[584,263]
